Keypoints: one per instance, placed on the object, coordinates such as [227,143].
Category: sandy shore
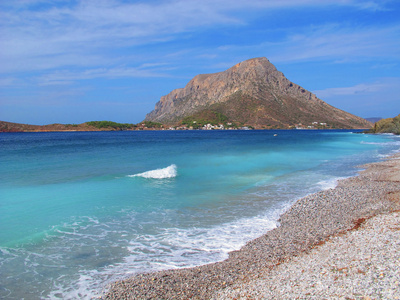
[325,243]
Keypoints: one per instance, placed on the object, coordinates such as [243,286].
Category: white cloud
[48,45]
[332,43]
[62,34]
[379,98]
[67,77]
[340,43]
[358,89]
[8,81]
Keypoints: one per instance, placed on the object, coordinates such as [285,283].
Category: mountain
[252,93]
[373,119]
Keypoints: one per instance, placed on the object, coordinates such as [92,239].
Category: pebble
[361,264]
[334,244]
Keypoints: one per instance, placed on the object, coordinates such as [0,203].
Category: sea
[80,210]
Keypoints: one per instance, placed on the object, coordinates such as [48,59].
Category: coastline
[308,224]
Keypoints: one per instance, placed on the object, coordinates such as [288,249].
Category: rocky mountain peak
[255,83]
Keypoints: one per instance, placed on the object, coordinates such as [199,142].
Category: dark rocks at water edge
[309,222]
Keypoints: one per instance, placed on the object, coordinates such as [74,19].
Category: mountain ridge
[255,83]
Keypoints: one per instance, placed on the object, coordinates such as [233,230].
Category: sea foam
[330,183]
[168,172]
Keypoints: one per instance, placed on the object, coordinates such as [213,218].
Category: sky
[85,60]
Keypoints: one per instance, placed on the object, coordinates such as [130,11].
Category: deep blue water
[78,210]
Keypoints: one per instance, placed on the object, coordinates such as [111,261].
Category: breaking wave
[168,172]
[330,183]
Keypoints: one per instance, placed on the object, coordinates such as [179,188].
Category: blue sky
[77,61]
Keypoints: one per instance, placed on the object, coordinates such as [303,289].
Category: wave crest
[168,172]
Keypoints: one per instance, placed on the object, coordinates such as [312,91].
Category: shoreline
[308,223]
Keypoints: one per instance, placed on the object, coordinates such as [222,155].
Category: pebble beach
[338,243]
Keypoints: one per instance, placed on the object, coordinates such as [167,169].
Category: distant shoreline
[201,130]
[308,223]
[143,126]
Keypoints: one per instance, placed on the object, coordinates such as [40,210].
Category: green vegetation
[205,117]
[390,125]
[110,124]
[150,124]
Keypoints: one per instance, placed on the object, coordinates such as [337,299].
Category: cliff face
[254,93]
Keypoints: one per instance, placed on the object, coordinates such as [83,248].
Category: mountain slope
[253,93]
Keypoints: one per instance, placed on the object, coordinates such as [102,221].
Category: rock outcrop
[389,125]
[253,93]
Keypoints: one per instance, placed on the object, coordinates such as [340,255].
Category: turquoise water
[79,210]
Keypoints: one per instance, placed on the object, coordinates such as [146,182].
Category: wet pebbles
[268,267]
